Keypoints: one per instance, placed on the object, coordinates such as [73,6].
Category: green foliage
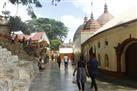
[55,43]
[35,2]
[54,2]
[26,2]
[55,30]
[6,13]
[31,12]
[16,24]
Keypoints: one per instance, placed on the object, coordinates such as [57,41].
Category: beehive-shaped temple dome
[91,24]
[105,17]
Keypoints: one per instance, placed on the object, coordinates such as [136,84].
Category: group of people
[84,69]
[24,41]
[58,60]
[66,60]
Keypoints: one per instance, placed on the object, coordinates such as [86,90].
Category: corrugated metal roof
[37,36]
[40,36]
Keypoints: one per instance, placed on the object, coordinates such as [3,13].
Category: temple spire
[85,19]
[91,17]
[105,8]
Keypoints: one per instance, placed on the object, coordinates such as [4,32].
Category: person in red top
[59,61]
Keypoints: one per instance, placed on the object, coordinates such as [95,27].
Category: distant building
[39,37]
[66,50]
[36,37]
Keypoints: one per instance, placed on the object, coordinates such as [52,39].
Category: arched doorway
[131,61]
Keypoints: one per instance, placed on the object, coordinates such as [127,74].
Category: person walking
[81,73]
[92,70]
[66,59]
[40,63]
[12,37]
[59,61]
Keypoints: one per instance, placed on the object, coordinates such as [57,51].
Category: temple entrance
[131,61]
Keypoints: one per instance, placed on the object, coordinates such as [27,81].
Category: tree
[6,14]
[55,43]
[36,2]
[55,30]
[16,24]
[28,3]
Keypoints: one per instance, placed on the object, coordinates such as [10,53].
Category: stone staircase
[15,74]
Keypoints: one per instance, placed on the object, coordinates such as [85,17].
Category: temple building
[105,17]
[88,28]
[115,44]
[66,49]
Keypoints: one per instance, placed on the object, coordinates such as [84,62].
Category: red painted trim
[119,50]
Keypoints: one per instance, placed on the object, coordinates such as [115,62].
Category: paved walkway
[53,79]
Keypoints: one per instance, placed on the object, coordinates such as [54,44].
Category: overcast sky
[71,12]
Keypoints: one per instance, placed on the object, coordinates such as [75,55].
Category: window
[94,49]
[106,61]
[99,44]
[106,42]
[99,62]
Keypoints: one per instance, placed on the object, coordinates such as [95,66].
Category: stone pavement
[53,79]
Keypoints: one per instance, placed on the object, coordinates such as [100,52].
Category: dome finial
[105,8]
[91,17]
[85,19]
